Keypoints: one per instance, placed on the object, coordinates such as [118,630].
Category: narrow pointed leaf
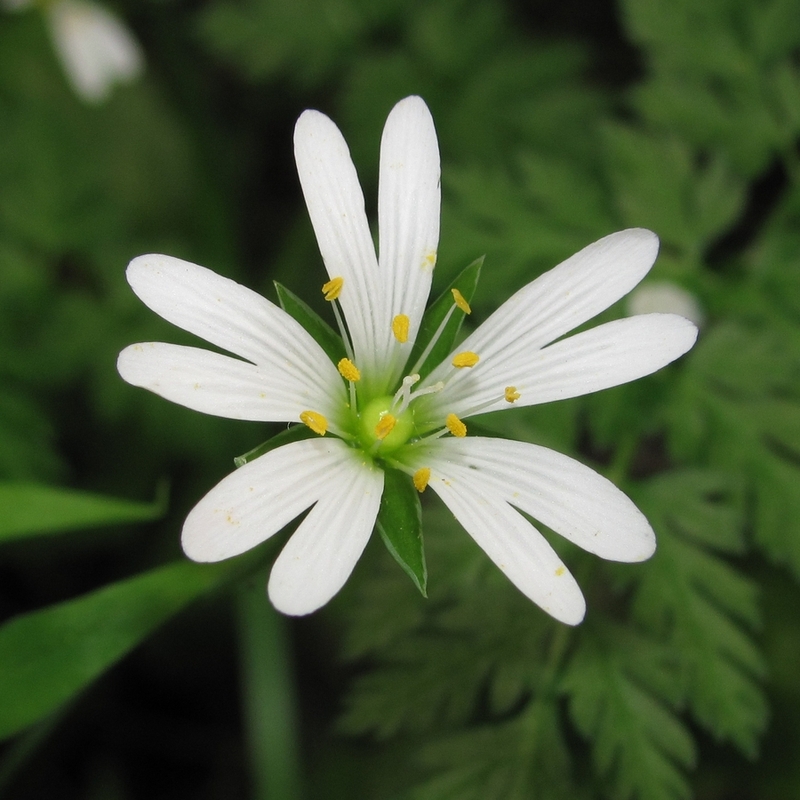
[325,336]
[466,282]
[48,656]
[400,526]
[294,434]
[30,509]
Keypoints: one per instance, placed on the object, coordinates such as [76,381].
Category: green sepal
[400,526]
[31,509]
[466,282]
[49,655]
[325,336]
[294,434]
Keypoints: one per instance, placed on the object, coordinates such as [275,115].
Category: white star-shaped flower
[94,46]
[371,410]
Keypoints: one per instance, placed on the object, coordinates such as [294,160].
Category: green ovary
[370,418]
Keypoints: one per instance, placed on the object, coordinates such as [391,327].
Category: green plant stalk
[268,694]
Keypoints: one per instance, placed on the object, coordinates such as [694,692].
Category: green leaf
[701,605]
[294,434]
[31,509]
[48,656]
[616,683]
[325,336]
[400,526]
[466,282]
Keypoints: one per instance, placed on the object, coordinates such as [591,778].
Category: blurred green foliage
[556,127]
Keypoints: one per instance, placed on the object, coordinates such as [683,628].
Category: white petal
[322,552]
[565,297]
[554,489]
[409,203]
[232,317]
[336,207]
[96,49]
[605,356]
[260,498]
[517,548]
[226,387]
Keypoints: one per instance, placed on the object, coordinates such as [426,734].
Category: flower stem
[268,695]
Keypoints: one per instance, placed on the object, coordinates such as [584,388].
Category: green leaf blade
[400,526]
[30,509]
[466,282]
[325,336]
[294,434]
[48,656]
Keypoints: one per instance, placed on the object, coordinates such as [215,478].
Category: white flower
[375,411]
[95,48]
[665,297]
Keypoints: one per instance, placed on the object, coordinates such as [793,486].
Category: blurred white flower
[94,46]
[664,297]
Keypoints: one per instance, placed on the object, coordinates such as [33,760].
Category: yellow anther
[400,328]
[348,370]
[385,426]
[466,359]
[511,394]
[315,421]
[332,289]
[455,426]
[421,478]
[459,300]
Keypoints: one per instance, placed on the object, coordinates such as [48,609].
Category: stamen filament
[343,331]
[435,338]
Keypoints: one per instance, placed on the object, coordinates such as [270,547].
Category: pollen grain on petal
[385,426]
[511,394]
[332,289]
[466,359]
[400,328]
[455,426]
[560,571]
[315,421]
[348,370]
[421,478]
[429,262]
[461,301]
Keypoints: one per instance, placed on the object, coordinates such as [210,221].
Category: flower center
[381,428]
